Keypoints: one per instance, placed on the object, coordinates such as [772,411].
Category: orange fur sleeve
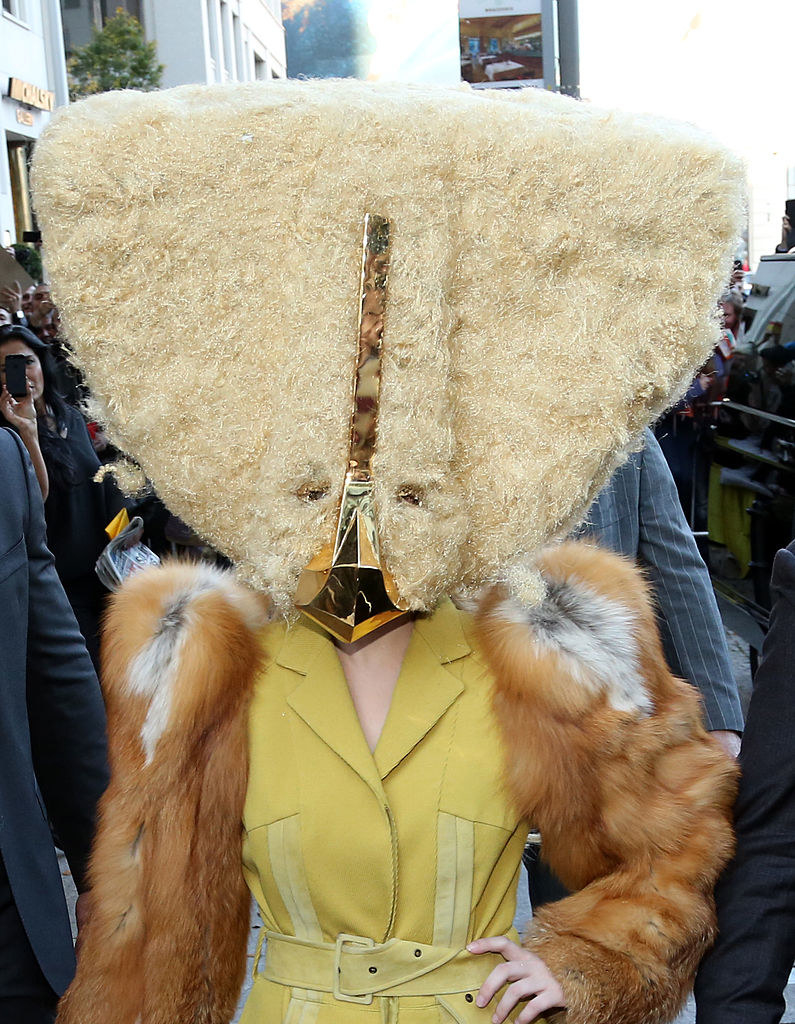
[607,755]
[166,936]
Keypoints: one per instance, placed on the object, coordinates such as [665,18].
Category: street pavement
[740,664]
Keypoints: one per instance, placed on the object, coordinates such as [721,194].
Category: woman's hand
[11,297]
[527,976]
[19,412]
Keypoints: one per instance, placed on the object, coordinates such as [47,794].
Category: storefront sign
[25,117]
[32,95]
[501,43]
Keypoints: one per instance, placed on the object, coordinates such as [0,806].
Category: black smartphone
[31,236]
[16,381]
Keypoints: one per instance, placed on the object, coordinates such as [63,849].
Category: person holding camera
[18,405]
[77,509]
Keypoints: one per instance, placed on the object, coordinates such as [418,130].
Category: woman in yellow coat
[370,772]
[383,848]
[422,844]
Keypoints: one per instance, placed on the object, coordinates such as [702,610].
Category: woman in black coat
[77,509]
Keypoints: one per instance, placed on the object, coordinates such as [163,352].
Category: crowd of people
[50,469]
[729,442]
[30,307]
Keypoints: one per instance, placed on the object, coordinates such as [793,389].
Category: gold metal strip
[345,588]
[372,307]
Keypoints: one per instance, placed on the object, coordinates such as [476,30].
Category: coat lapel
[425,689]
[322,698]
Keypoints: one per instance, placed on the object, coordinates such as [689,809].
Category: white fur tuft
[594,635]
[153,672]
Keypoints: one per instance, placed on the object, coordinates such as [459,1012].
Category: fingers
[19,411]
[514,970]
[535,1007]
[538,994]
[499,944]
[527,976]
[521,991]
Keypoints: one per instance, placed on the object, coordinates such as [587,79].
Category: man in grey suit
[53,757]
[638,514]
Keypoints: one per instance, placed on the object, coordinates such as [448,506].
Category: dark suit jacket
[638,514]
[52,722]
[741,981]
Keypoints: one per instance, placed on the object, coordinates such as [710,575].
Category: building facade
[33,83]
[217,40]
[200,41]
[771,181]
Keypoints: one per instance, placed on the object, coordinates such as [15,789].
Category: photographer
[77,509]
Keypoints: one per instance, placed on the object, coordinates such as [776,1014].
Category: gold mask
[345,588]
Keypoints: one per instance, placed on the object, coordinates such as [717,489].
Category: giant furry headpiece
[553,277]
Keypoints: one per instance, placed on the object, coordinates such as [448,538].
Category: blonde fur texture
[166,937]
[631,795]
[553,280]
[633,806]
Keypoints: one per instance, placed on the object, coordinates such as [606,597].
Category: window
[16,8]
[226,40]
[211,13]
[19,154]
[240,66]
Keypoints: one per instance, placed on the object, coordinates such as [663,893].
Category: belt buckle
[354,940]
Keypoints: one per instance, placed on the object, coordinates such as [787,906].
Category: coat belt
[356,968]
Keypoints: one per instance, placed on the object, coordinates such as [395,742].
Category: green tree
[29,259]
[118,57]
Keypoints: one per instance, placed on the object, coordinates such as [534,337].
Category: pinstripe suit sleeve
[692,631]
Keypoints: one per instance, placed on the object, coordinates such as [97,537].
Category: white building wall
[31,49]
[767,191]
[265,34]
[206,41]
[181,44]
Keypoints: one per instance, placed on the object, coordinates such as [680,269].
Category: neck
[372,666]
[383,647]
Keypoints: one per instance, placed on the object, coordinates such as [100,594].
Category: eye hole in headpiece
[410,495]
[312,492]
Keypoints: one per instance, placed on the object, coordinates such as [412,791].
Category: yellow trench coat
[416,842]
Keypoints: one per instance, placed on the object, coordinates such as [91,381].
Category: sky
[727,65]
